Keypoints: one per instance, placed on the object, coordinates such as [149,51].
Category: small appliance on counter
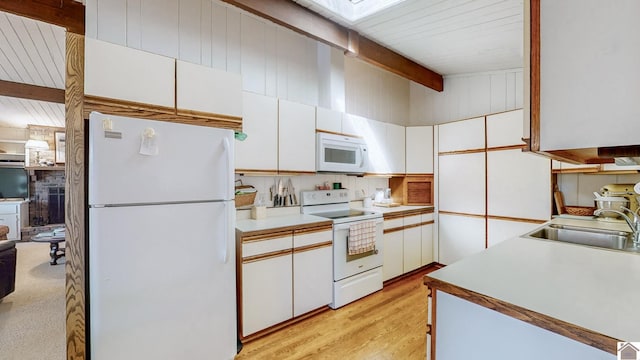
[622,190]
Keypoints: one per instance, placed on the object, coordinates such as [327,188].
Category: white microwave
[341,154]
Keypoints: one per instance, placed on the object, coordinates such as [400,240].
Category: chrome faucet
[634,225]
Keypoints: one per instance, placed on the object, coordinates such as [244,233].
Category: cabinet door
[312,279]
[11,220]
[419,149]
[459,236]
[427,244]
[500,230]
[461,135]
[259,151]
[393,254]
[462,183]
[202,88]
[519,185]
[394,147]
[296,137]
[267,296]
[412,248]
[118,72]
[505,129]
[328,120]
[588,75]
[356,125]
[376,138]
[312,269]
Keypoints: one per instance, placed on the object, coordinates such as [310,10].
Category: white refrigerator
[161,240]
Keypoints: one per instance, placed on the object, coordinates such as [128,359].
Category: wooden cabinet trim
[284,229]
[507,218]
[571,331]
[459,152]
[392,230]
[266,256]
[462,214]
[256,172]
[321,228]
[427,222]
[267,236]
[507,147]
[393,215]
[312,247]
[154,112]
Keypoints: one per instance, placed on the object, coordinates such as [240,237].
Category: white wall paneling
[159,31]
[253,55]
[218,36]
[466,96]
[189,27]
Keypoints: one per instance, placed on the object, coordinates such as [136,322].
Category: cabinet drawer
[254,248]
[426,217]
[8,209]
[393,223]
[410,220]
[310,238]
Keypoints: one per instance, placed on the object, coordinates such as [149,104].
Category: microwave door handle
[361,156]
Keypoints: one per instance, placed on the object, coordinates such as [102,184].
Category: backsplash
[356,185]
[578,189]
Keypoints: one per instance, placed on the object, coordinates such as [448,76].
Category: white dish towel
[362,237]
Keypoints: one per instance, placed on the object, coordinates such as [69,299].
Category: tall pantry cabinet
[489,189]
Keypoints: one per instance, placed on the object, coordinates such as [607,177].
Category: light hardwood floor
[389,324]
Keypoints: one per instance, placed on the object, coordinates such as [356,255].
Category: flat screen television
[14,183]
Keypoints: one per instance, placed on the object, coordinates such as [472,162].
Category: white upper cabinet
[518,185]
[122,73]
[395,148]
[202,88]
[356,125]
[419,149]
[461,135]
[296,137]
[328,120]
[505,129]
[589,74]
[259,151]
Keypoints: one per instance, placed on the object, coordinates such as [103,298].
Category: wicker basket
[244,199]
[579,210]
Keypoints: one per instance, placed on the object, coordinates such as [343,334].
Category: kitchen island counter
[584,293]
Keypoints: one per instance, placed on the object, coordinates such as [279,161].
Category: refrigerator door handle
[230,173]
[225,239]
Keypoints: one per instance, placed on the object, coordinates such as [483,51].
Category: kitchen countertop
[585,293]
[275,222]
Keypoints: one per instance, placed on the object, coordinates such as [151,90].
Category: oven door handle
[345,226]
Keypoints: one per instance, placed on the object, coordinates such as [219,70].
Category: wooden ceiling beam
[68,14]
[304,21]
[32,92]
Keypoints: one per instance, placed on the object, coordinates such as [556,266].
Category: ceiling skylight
[354,10]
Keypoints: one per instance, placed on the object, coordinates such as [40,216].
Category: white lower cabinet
[412,243]
[312,271]
[393,253]
[460,236]
[267,296]
[282,275]
[426,240]
[499,230]
[408,244]
[14,214]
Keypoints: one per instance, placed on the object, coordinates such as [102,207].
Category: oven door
[341,154]
[345,265]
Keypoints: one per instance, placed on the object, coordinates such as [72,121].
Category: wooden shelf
[46,168]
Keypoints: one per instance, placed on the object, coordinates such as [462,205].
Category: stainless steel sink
[610,239]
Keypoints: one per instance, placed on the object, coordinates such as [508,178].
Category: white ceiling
[447,36]
[31,52]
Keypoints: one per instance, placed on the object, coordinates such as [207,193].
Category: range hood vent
[627,161]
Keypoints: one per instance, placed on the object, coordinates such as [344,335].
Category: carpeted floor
[32,318]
